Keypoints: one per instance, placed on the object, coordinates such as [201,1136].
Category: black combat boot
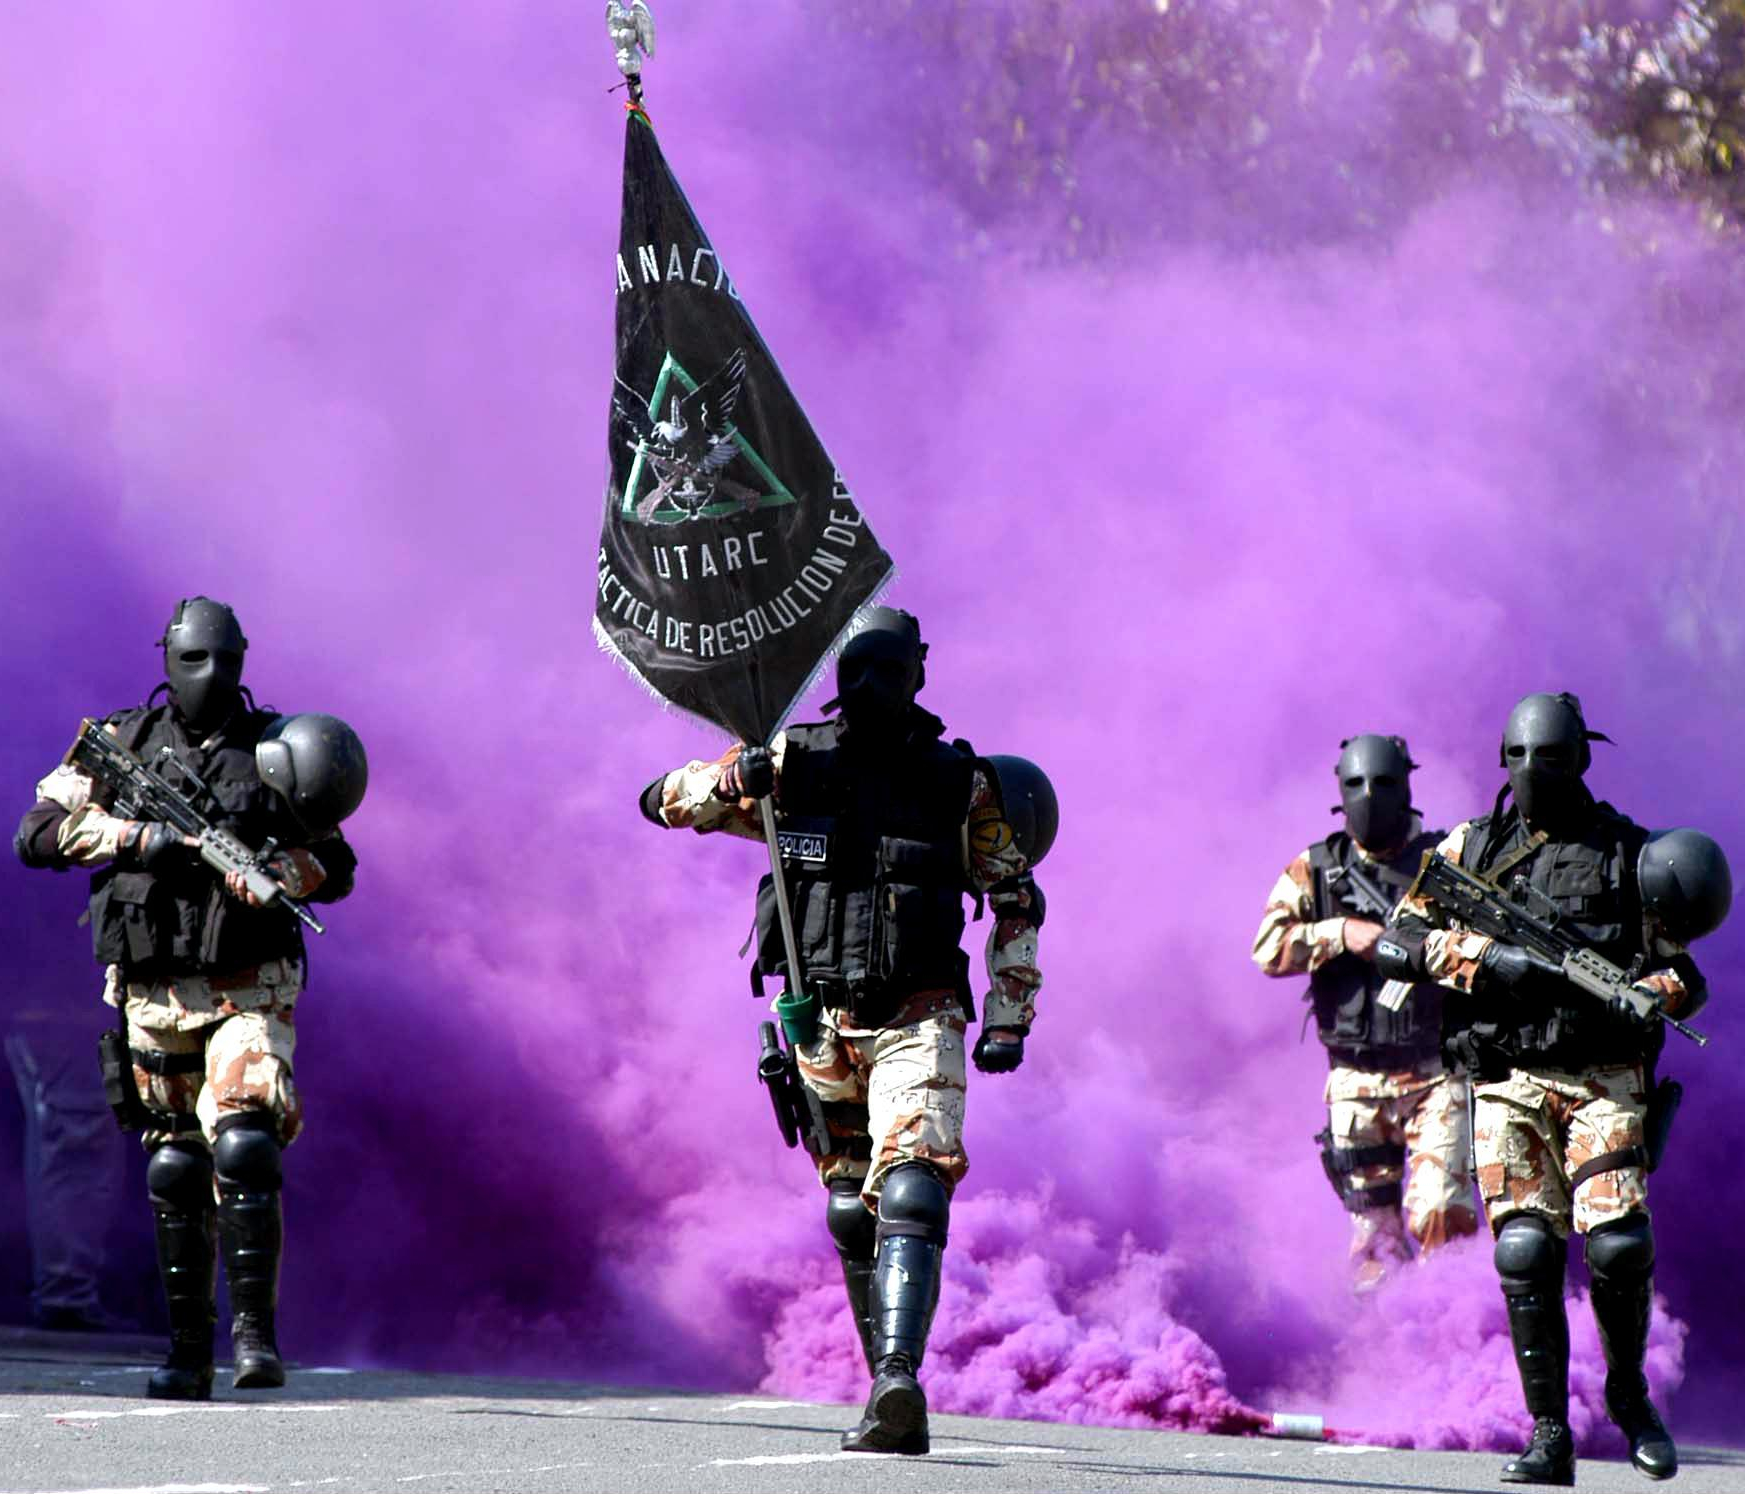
[1621,1259]
[251,1227]
[857,1276]
[853,1227]
[905,1290]
[185,1262]
[1539,1330]
[1530,1259]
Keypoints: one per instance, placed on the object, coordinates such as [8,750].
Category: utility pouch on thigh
[119,1088]
[1663,1102]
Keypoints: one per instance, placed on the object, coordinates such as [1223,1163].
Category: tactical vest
[872,851]
[184,921]
[1590,879]
[1357,1030]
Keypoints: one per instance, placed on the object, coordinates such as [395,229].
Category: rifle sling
[1517,856]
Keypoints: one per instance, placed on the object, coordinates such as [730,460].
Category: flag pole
[790,946]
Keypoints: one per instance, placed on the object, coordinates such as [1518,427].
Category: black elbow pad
[650,802]
[37,843]
[1023,882]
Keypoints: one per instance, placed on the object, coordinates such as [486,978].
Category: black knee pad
[246,1152]
[914,1201]
[1621,1249]
[852,1224]
[1529,1252]
[179,1176]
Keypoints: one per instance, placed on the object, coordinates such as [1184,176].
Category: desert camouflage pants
[1536,1129]
[895,1095]
[1426,1116]
[243,1030]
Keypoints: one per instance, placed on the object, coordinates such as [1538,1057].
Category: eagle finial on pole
[631,31]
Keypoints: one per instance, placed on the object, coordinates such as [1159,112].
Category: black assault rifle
[798,1111]
[1367,894]
[1372,900]
[1481,905]
[143,793]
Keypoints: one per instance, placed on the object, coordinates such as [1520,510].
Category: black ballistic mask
[203,648]
[1545,751]
[878,674]
[1375,790]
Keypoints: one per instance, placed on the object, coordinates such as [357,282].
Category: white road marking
[83,1414]
[183,1489]
[786,1459]
[1018,1451]
[412,1478]
[1332,1450]
[255,1407]
[768,1405]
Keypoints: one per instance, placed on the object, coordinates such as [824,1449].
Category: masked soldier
[1393,1111]
[898,827]
[1563,1081]
[204,977]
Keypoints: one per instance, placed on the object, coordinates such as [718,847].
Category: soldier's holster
[116,1059]
[1341,1163]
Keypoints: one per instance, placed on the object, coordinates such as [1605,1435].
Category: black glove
[1509,964]
[157,847]
[999,1050]
[751,775]
[1622,1007]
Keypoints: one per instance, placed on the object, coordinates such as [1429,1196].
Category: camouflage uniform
[895,1093]
[1537,1126]
[1413,1104]
[241,1022]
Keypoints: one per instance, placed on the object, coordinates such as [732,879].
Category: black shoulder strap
[1325,856]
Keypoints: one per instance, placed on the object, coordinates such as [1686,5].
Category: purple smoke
[311,310]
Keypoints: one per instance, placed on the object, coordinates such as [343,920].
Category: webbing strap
[1362,1200]
[155,1061]
[1628,1156]
[1349,1159]
[1518,855]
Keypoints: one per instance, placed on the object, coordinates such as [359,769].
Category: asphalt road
[73,1417]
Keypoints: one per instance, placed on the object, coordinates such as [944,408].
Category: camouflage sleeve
[1451,953]
[996,866]
[1013,976]
[89,835]
[1291,940]
[687,799]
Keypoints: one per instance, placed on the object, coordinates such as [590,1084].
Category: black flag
[733,554]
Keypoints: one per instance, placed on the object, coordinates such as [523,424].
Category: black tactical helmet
[880,670]
[1686,883]
[316,764]
[203,648]
[1545,750]
[1027,798]
[1375,790]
